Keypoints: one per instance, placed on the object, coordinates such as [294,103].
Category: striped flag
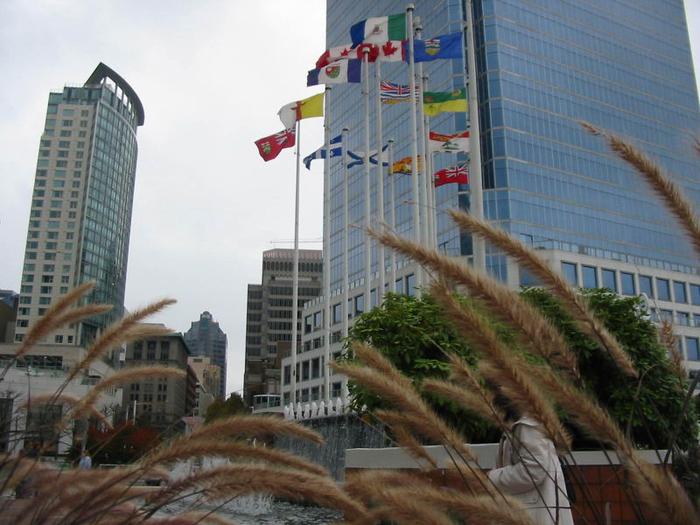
[391,93]
[452,175]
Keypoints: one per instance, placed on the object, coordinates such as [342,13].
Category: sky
[211,75]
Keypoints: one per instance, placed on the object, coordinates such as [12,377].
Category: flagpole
[327,247]
[392,209]
[425,224]
[429,181]
[476,205]
[295,273]
[380,185]
[346,235]
[414,138]
[368,204]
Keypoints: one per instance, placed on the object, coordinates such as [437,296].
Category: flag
[454,143]
[391,93]
[270,147]
[404,165]
[389,51]
[357,158]
[444,46]
[453,175]
[320,153]
[379,29]
[436,102]
[340,72]
[309,107]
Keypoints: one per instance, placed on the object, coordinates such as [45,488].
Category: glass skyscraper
[542,66]
[80,215]
[206,338]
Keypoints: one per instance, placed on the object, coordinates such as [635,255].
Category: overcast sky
[211,75]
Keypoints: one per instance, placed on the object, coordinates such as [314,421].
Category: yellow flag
[435,103]
[309,107]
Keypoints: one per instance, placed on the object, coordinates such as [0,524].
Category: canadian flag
[389,51]
[453,175]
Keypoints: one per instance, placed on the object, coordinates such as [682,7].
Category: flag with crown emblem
[441,47]
[270,147]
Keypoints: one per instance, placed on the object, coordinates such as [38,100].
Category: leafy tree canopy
[413,332]
[219,408]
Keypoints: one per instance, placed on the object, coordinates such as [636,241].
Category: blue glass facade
[542,66]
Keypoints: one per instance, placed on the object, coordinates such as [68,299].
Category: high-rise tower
[80,214]
[542,66]
[206,338]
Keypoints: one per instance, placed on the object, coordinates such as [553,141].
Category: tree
[232,406]
[410,332]
[414,335]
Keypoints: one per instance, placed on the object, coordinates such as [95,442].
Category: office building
[9,300]
[205,338]
[270,313]
[160,402]
[542,66]
[80,215]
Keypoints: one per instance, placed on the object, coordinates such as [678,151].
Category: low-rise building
[160,402]
[39,374]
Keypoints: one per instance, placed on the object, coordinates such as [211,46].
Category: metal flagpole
[476,205]
[380,186]
[431,212]
[295,273]
[425,211]
[327,247]
[392,209]
[368,204]
[414,138]
[346,234]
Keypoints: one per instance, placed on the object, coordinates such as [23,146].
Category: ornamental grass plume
[255,426]
[576,305]
[669,192]
[537,331]
[502,367]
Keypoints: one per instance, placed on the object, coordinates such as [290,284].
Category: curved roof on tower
[103,71]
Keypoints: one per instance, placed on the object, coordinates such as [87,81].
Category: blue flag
[320,153]
[444,46]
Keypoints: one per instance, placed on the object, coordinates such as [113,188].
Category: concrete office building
[160,402]
[206,338]
[80,215]
[542,66]
[270,313]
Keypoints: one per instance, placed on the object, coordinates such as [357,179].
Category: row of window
[315,393]
[631,284]
[288,266]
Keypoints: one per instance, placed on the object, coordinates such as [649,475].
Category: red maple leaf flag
[452,175]
[270,147]
[391,51]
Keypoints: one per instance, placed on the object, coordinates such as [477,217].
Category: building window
[318,319]
[663,289]
[645,286]
[305,371]
[683,318]
[590,276]
[359,304]
[569,272]
[336,389]
[609,279]
[627,283]
[287,375]
[411,285]
[695,294]
[692,349]
[679,294]
[337,314]
[315,368]
[307,324]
